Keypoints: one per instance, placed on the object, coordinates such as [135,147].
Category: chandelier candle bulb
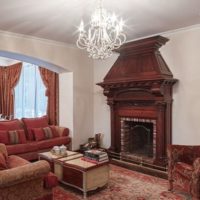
[103,36]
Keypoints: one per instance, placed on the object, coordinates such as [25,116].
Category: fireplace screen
[141,138]
[138,137]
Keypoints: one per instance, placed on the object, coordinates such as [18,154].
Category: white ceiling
[58,19]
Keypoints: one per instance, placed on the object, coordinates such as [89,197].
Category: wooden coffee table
[83,175]
[50,157]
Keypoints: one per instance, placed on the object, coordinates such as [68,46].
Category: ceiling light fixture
[104,34]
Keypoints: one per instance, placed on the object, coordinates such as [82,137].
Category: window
[30,99]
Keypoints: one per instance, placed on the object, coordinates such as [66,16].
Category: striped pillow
[16,137]
[48,134]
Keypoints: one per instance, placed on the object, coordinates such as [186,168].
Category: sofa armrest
[3,149]
[62,131]
[24,173]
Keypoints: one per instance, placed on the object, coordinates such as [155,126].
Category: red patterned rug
[125,184]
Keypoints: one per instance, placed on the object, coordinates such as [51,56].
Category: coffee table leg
[84,186]
[85,195]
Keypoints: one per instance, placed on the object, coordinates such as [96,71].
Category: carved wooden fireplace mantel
[139,92]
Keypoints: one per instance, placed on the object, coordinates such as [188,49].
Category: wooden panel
[73,176]
[97,177]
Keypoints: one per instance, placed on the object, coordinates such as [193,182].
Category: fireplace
[138,139]
[139,92]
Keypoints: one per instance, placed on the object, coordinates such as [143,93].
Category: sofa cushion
[38,134]
[3,162]
[44,144]
[22,148]
[4,137]
[38,122]
[17,137]
[11,125]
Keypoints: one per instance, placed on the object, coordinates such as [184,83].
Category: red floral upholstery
[25,180]
[184,168]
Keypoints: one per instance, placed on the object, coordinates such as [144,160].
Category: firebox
[139,92]
[138,139]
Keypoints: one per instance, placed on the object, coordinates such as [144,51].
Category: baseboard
[140,168]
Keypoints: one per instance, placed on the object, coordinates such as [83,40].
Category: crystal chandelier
[104,34]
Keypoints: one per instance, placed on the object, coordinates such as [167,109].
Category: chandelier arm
[104,35]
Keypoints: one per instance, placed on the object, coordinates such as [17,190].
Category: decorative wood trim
[139,85]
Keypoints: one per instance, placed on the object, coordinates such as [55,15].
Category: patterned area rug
[125,184]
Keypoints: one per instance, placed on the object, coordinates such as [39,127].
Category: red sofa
[29,136]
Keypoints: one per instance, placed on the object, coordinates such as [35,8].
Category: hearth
[139,92]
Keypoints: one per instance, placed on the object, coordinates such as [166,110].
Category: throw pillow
[17,137]
[4,137]
[3,163]
[38,134]
[65,132]
[54,131]
[37,122]
[48,133]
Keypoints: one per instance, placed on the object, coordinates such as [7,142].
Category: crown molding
[170,32]
[43,40]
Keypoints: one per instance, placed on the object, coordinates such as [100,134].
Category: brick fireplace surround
[139,92]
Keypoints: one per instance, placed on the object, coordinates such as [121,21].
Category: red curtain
[50,80]
[9,78]
[1,89]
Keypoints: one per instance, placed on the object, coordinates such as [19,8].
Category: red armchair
[184,168]
[22,180]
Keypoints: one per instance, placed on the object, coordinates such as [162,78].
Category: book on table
[94,161]
[96,155]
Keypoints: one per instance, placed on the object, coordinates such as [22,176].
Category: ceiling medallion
[104,34]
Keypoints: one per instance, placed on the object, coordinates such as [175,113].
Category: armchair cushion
[184,169]
[15,161]
[24,173]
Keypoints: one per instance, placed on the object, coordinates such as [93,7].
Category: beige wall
[101,109]
[183,58]
[69,58]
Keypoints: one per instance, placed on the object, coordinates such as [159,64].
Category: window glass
[30,99]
